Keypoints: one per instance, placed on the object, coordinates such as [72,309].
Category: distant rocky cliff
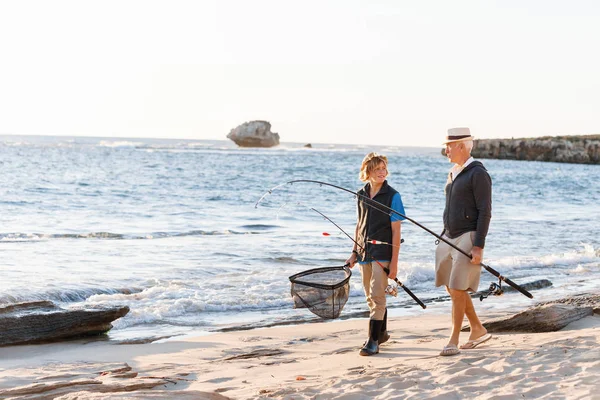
[567,149]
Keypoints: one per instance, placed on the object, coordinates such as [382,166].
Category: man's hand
[477,253]
[393,270]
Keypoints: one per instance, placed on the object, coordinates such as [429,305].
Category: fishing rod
[387,210]
[387,271]
[371,241]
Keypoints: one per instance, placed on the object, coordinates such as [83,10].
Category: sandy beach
[312,361]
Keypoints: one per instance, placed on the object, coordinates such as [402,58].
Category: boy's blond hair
[369,163]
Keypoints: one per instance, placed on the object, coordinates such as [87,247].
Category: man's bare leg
[477,329]
[459,305]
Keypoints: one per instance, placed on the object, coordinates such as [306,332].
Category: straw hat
[458,135]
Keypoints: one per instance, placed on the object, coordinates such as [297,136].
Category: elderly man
[466,220]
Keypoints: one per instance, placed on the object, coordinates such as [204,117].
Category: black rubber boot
[372,345]
[384,336]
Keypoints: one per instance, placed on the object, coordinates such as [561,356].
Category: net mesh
[324,291]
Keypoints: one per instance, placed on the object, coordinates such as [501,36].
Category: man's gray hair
[468,145]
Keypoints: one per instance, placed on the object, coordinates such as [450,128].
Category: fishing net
[324,291]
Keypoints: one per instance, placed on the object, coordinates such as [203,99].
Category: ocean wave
[32,237]
[284,260]
[259,226]
[412,274]
[230,148]
[580,261]
[211,233]
[186,303]
[194,145]
[72,295]
[118,143]
[580,270]
[197,302]
[587,254]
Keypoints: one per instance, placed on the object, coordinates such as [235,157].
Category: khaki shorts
[452,268]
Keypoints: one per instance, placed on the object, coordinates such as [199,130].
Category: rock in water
[254,134]
[43,321]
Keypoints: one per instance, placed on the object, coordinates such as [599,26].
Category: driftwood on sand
[102,381]
[43,321]
[546,317]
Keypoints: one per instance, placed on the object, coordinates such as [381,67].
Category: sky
[385,72]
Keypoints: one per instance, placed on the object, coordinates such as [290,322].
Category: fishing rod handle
[411,294]
[407,290]
[519,288]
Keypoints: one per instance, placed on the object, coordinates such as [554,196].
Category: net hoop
[294,278]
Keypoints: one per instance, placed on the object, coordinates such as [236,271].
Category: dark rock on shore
[43,321]
[566,149]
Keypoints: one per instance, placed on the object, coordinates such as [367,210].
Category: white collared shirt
[457,169]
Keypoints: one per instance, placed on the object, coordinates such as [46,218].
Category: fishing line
[368,240]
[387,210]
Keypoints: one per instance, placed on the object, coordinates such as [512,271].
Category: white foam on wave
[415,273]
[119,143]
[580,269]
[27,237]
[184,303]
[586,255]
[584,260]
[199,145]
[19,237]
[67,295]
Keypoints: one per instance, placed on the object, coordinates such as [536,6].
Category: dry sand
[313,361]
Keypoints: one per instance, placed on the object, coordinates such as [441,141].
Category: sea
[172,229]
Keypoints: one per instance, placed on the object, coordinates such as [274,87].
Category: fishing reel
[494,289]
[392,290]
